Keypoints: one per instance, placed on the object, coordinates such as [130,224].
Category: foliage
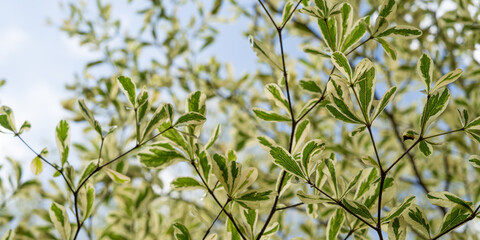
[341,141]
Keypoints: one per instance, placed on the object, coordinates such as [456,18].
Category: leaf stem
[214,220]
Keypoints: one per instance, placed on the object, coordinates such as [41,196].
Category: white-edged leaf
[36,166]
[59,218]
[185,183]
[312,199]
[181,232]
[270,116]
[417,219]
[384,101]
[335,224]
[447,199]
[264,53]
[87,200]
[274,93]
[474,161]
[399,210]
[88,115]
[341,63]
[213,138]
[129,89]
[191,118]
[116,176]
[425,70]
[447,79]
[397,229]
[62,136]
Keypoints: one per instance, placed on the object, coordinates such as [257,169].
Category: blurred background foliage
[168,50]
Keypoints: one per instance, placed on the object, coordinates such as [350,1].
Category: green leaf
[397,229]
[425,148]
[287,10]
[311,86]
[245,180]
[59,218]
[159,117]
[7,119]
[362,69]
[434,107]
[341,63]
[388,48]
[283,159]
[88,115]
[312,199]
[463,117]
[474,134]
[9,235]
[359,209]
[191,118]
[274,93]
[332,174]
[62,136]
[446,199]
[250,217]
[404,32]
[178,140]
[474,124]
[315,51]
[253,199]
[270,115]
[425,70]
[388,9]
[310,149]
[301,132]
[116,176]
[384,101]
[447,79]
[265,53]
[475,161]
[341,106]
[322,5]
[129,89]
[223,169]
[399,210]
[36,166]
[346,19]
[353,36]
[213,137]
[366,86]
[25,127]
[185,183]
[196,102]
[366,183]
[181,232]
[352,183]
[335,224]
[86,200]
[160,156]
[453,217]
[312,11]
[328,30]
[417,219]
[89,169]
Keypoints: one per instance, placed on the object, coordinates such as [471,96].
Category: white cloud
[12,40]
[73,45]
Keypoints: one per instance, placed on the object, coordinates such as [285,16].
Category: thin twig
[214,220]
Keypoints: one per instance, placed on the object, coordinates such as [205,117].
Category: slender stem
[214,220]
[289,206]
[349,234]
[59,170]
[403,154]
[268,13]
[291,14]
[417,142]
[339,203]
[444,133]
[323,96]
[210,191]
[100,152]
